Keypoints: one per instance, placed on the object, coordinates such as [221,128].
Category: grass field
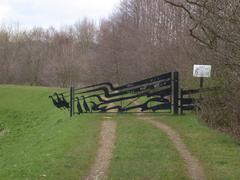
[144,152]
[38,141]
[218,152]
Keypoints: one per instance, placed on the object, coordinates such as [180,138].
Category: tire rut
[103,158]
[193,166]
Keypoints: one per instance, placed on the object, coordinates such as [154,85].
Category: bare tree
[216,26]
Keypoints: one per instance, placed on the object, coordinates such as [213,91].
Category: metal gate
[156,94]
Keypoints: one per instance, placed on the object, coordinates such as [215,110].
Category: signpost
[202,71]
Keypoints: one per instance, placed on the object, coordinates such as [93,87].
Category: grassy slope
[218,152]
[143,152]
[40,140]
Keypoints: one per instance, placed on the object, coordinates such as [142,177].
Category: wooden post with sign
[202,71]
[201,82]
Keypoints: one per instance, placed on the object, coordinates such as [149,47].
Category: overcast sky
[44,13]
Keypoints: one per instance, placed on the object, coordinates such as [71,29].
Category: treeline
[141,38]
[216,26]
[47,57]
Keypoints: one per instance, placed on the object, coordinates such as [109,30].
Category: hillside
[37,140]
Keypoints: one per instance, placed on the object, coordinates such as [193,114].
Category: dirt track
[104,154]
[102,162]
[192,163]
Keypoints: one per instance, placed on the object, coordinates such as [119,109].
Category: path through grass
[38,141]
[144,152]
[218,152]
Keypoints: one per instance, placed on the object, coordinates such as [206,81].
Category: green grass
[38,141]
[144,152]
[218,152]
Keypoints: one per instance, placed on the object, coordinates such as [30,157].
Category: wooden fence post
[181,101]
[175,91]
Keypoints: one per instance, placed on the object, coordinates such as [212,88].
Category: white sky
[45,13]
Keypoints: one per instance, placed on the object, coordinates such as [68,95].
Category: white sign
[202,71]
